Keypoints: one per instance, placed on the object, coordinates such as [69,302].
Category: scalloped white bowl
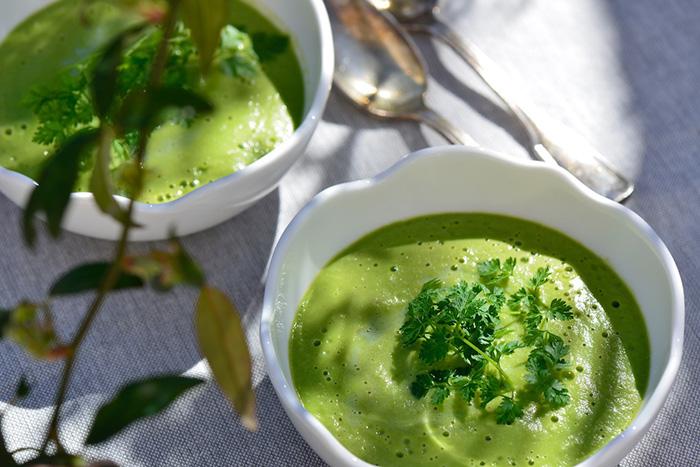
[306,21]
[460,179]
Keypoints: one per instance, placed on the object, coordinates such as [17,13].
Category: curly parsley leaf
[508,411]
[492,272]
[559,309]
[456,327]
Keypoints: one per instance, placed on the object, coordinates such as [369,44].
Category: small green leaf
[90,276]
[101,184]
[440,393]
[55,184]
[223,343]
[22,390]
[135,401]
[205,21]
[103,85]
[508,411]
[559,309]
[421,385]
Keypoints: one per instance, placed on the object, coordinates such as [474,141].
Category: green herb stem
[115,269]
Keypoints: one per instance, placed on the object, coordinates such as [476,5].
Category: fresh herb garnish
[460,342]
[67,107]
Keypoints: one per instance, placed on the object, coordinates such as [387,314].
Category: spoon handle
[443,126]
[567,149]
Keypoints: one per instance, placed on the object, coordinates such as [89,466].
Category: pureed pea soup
[257,102]
[356,368]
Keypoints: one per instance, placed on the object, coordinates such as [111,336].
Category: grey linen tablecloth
[624,73]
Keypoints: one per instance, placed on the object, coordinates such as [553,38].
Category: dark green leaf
[421,385]
[515,299]
[223,343]
[508,411]
[540,278]
[205,21]
[90,276]
[135,401]
[23,388]
[466,387]
[559,309]
[556,394]
[491,272]
[490,388]
[435,347]
[103,84]
[101,180]
[56,182]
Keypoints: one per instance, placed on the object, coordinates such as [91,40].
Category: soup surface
[351,371]
[251,115]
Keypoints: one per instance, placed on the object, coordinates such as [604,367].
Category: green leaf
[55,184]
[556,394]
[440,393]
[103,84]
[491,272]
[559,309]
[421,385]
[508,411]
[435,347]
[90,276]
[101,184]
[205,19]
[135,401]
[141,110]
[223,343]
[269,45]
[22,390]
[541,277]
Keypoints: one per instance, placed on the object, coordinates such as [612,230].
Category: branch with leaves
[125,113]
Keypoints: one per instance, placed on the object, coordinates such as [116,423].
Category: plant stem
[116,268]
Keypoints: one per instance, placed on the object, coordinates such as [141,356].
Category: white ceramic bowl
[453,179]
[307,23]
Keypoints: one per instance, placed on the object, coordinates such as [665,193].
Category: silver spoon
[379,68]
[551,141]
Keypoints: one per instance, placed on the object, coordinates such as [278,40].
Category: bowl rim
[308,123]
[654,400]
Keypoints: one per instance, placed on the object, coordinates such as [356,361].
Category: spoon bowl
[379,68]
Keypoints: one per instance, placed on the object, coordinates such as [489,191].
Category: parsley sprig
[457,334]
[66,107]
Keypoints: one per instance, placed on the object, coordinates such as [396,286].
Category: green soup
[351,372]
[250,117]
